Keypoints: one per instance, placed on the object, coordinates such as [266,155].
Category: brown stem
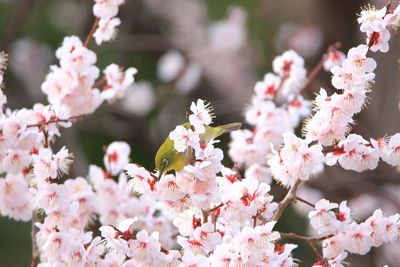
[283,80]
[303,238]
[309,241]
[55,121]
[332,149]
[205,215]
[46,139]
[255,220]
[216,207]
[290,197]
[34,230]
[314,248]
[90,35]
[305,201]
[317,68]
[100,83]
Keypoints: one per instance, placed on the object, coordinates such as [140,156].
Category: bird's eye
[165,162]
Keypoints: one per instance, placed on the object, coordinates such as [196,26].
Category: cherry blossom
[212,212]
[106,30]
[118,82]
[202,115]
[183,138]
[295,160]
[116,157]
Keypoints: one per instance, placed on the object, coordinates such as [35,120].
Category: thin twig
[303,238]
[332,149]
[101,82]
[305,201]
[217,207]
[317,68]
[34,230]
[205,215]
[314,248]
[290,196]
[308,240]
[40,124]
[90,35]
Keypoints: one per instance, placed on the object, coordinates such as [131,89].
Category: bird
[167,158]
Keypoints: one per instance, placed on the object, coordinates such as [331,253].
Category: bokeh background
[189,49]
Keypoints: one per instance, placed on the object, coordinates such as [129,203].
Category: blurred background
[190,49]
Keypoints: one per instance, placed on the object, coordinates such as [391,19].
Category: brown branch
[90,35]
[34,230]
[205,215]
[314,248]
[311,75]
[101,82]
[290,197]
[302,238]
[305,201]
[216,207]
[332,149]
[40,124]
[308,240]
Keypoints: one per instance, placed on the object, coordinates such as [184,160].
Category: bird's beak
[161,172]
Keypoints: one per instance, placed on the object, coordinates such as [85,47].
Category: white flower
[358,61]
[142,180]
[106,9]
[47,165]
[358,239]
[288,64]
[295,160]
[106,30]
[371,20]
[183,138]
[334,58]
[15,198]
[170,66]
[202,115]
[345,78]
[390,152]
[207,236]
[337,261]
[354,153]
[267,88]
[118,82]
[323,219]
[380,41]
[140,99]
[15,160]
[198,260]
[116,157]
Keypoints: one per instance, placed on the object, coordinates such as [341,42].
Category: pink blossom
[116,157]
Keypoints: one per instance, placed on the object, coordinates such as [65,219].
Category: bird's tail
[226,128]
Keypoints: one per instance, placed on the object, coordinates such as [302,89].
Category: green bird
[167,158]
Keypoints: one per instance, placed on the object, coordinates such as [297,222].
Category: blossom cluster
[216,215]
[344,234]
[106,11]
[249,149]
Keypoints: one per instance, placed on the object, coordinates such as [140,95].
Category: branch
[309,240]
[317,68]
[290,197]
[40,124]
[90,35]
[34,230]
[303,238]
[305,201]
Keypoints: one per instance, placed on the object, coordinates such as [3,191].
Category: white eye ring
[164,162]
